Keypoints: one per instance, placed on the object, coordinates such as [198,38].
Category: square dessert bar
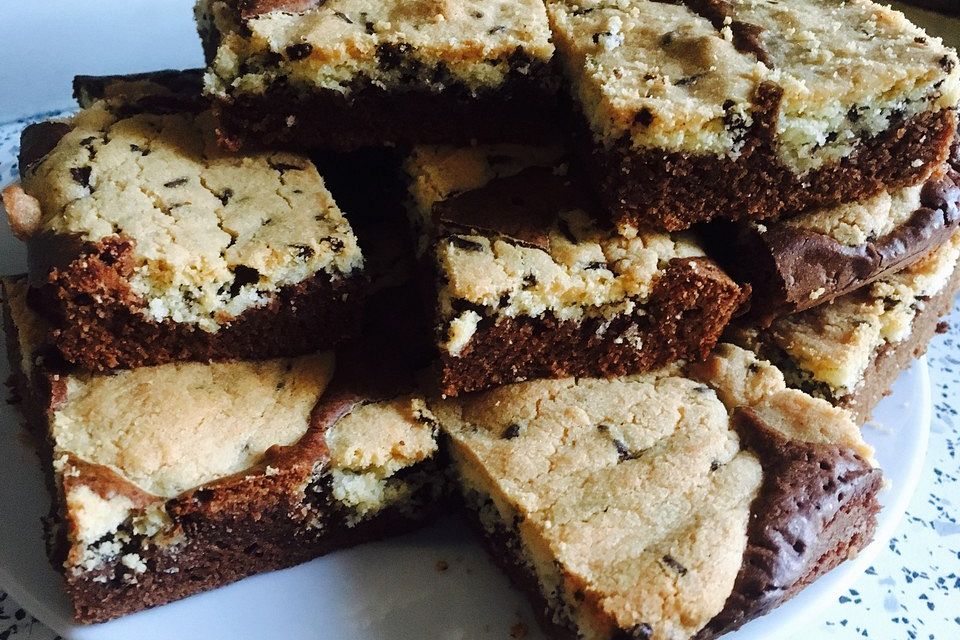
[747,109]
[344,74]
[810,259]
[148,244]
[179,478]
[672,504]
[851,351]
[528,284]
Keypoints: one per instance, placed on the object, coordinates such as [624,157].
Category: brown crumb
[442,565]
[943,327]
[518,630]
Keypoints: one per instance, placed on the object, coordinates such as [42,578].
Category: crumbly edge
[361,51]
[176,277]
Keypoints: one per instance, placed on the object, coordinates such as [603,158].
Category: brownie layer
[944,6]
[675,190]
[521,110]
[816,509]
[312,315]
[689,307]
[238,532]
[893,359]
[792,268]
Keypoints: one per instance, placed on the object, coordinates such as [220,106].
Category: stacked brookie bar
[596,194]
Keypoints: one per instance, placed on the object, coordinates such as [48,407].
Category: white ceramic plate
[389,590]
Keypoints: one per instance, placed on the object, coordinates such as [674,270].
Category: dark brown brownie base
[687,311]
[97,324]
[521,111]
[944,6]
[817,507]
[673,190]
[892,360]
[793,269]
[226,547]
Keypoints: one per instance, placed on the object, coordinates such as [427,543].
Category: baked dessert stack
[672,253]
[174,350]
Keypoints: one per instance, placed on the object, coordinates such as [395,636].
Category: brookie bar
[669,505]
[852,350]
[810,259]
[748,109]
[147,243]
[175,479]
[529,284]
[344,74]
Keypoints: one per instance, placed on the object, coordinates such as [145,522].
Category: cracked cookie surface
[213,233]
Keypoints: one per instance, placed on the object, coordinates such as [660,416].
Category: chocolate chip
[467,245]
[391,55]
[301,50]
[947,63]
[565,230]
[602,34]
[644,117]
[497,29]
[582,11]
[714,465]
[642,631]
[920,40]
[335,243]
[671,562]
[283,167]
[595,265]
[529,280]
[853,114]
[304,252]
[242,276]
[81,175]
[179,182]
[682,82]
[511,432]
[623,451]
[225,195]
[369,27]
[666,39]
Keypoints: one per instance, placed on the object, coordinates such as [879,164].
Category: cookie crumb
[943,327]
[518,630]
[442,565]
